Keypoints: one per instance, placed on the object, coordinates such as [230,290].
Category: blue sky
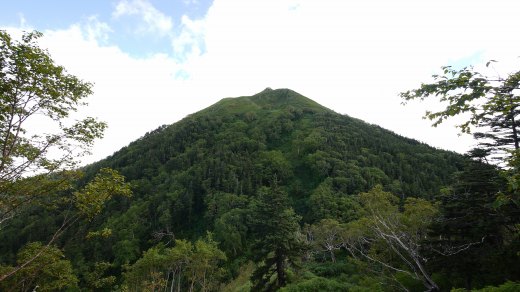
[155,61]
[126,28]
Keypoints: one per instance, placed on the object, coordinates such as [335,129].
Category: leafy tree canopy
[490,102]
[33,88]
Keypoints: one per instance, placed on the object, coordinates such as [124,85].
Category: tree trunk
[179,282]
[428,282]
[515,133]
[173,281]
[280,269]
[432,287]
[469,280]
[332,257]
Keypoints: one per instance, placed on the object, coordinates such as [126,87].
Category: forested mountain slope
[240,144]
[201,173]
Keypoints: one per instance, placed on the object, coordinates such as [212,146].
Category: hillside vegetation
[275,137]
[269,191]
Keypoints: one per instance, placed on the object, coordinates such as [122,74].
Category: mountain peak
[267,89]
[268,99]
[284,97]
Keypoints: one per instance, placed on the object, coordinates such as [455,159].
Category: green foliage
[317,284]
[242,282]
[209,171]
[106,184]
[273,165]
[231,229]
[326,202]
[96,278]
[333,276]
[277,244]
[61,210]
[203,269]
[37,173]
[184,266]
[470,236]
[147,272]
[506,287]
[490,102]
[509,199]
[325,237]
[45,269]
[479,232]
[33,88]
[391,239]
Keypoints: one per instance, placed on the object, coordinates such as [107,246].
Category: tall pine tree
[274,225]
[470,233]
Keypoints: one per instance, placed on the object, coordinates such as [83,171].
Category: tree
[49,272]
[34,89]
[325,236]
[84,203]
[148,272]
[204,265]
[184,267]
[468,237]
[274,225]
[37,164]
[107,183]
[389,239]
[178,259]
[491,104]
[327,203]
[95,278]
[231,230]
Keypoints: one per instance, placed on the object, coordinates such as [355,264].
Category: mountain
[200,174]
[239,144]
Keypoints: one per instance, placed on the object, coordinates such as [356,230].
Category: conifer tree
[274,225]
[469,235]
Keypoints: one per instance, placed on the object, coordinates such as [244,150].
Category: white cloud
[132,95]
[189,43]
[97,30]
[154,21]
[23,21]
[351,56]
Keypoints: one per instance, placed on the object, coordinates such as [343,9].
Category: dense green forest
[261,193]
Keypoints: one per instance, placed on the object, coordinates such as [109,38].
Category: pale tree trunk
[332,256]
[179,282]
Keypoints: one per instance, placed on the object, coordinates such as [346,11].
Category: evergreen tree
[469,236]
[274,225]
[481,212]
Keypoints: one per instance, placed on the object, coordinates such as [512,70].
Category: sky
[153,62]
